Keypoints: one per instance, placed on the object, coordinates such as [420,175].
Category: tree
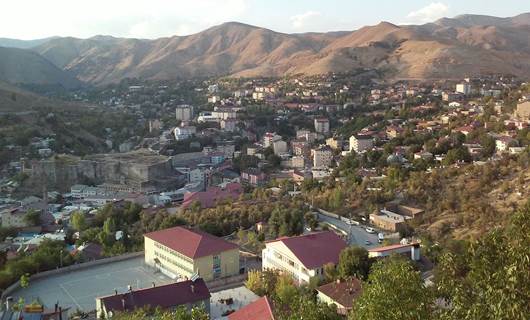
[394,291]
[285,291]
[489,279]
[354,262]
[330,272]
[32,218]
[78,221]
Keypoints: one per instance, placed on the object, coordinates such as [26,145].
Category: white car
[370,230]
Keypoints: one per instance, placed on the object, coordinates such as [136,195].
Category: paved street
[359,234]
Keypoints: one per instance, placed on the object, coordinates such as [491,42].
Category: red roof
[343,292]
[315,249]
[167,296]
[191,243]
[210,197]
[393,247]
[257,310]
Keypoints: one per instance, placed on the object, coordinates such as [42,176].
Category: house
[260,309]
[171,296]
[386,251]
[279,147]
[361,143]
[335,143]
[181,253]
[184,112]
[303,257]
[228,125]
[504,142]
[388,220]
[341,293]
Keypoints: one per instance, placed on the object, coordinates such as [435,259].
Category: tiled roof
[393,247]
[315,249]
[210,197]
[257,310]
[166,296]
[191,243]
[343,292]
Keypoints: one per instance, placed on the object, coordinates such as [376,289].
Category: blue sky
[31,19]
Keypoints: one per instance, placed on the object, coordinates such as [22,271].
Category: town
[216,187]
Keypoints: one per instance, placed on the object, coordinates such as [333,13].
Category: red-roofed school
[303,257]
[181,253]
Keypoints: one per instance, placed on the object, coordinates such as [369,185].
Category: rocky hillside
[448,48]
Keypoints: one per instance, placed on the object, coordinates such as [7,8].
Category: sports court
[78,289]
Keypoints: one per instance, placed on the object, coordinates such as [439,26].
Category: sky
[34,19]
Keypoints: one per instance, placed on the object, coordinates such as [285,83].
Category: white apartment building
[303,257]
[183,133]
[322,157]
[279,147]
[360,143]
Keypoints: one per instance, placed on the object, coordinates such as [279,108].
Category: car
[370,230]
[367,242]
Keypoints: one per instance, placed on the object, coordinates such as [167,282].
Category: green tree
[330,272]
[394,291]
[78,221]
[32,218]
[354,262]
[490,279]
[285,291]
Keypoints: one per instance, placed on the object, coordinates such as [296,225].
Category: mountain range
[448,48]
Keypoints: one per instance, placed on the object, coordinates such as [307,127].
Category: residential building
[503,143]
[303,257]
[182,253]
[184,112]
[463,88]
[341,293]
[269,138]
[253,177]
[322,125]
[260,309]
[297,162]
[183,133]
[279,147]
[361,143]
[322,156]
[169,297]
[523,111]
[335,143]
[388,220]
[228,125]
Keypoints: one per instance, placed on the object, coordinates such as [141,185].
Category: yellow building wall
[229,265]
[203,265]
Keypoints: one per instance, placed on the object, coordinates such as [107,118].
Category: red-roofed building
[186,293]
[380,252]
[303,257]
[180,253]
[340,293]
[213,195]
[260,309]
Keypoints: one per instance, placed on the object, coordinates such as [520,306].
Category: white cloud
[300,21]
[29,19]
[430,13]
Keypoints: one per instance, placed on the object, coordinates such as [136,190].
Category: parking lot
[359,235]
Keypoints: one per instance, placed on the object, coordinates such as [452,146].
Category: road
[359,234]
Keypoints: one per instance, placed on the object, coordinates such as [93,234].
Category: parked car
[370,230]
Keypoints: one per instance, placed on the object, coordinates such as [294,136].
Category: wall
[229,265]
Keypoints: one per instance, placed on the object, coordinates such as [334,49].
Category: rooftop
[343,292]
[315,249]
[258,310]
[191,243]
[166,296]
